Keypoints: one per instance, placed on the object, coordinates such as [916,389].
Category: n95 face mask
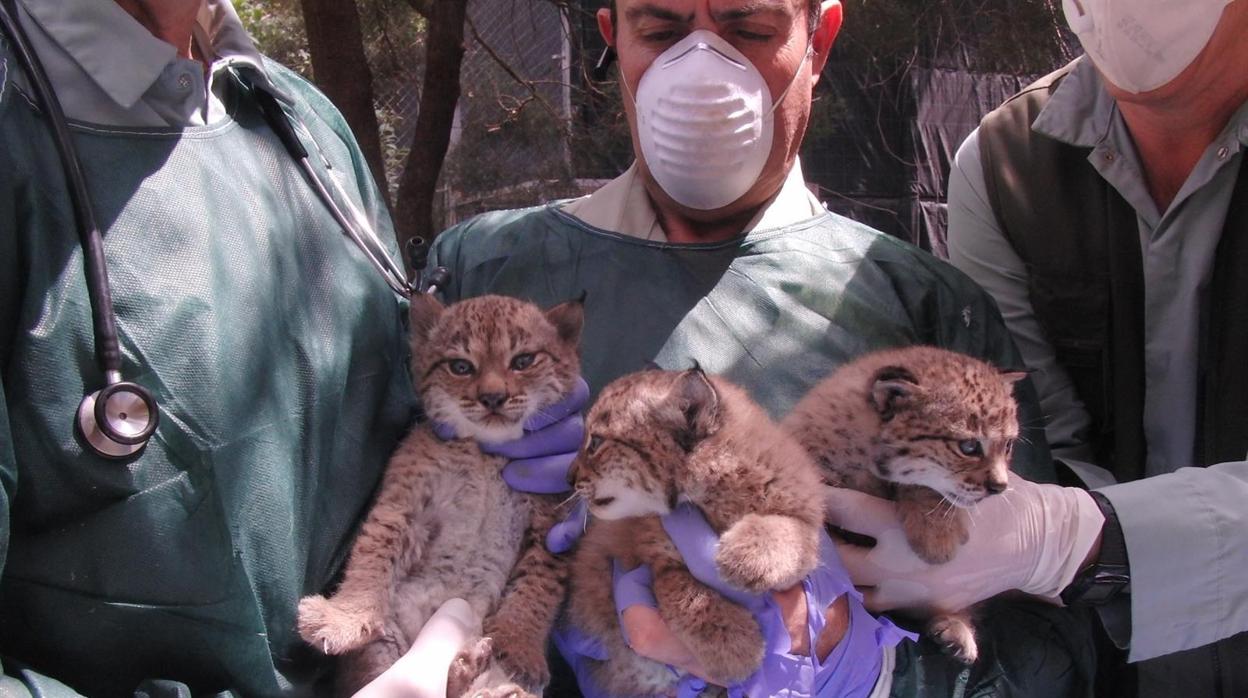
[704,121]
[1140,45]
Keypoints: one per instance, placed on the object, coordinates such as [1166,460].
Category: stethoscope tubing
[138,421]
[107,348]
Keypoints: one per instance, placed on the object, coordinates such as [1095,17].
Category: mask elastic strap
[810,49]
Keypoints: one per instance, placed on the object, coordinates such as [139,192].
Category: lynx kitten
[929,428]
[444,523]
[657,438]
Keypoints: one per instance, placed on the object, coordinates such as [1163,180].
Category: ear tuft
[1013,376]
[424,312]
[891,388]
[568,319]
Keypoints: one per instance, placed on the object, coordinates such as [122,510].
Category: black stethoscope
[117,420]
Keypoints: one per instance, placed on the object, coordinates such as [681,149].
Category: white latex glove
[421,673]
[1031,537]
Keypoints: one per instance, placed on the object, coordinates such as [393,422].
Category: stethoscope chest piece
[118,420]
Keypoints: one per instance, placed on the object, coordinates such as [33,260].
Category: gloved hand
[1032,537]
[552,436]
[422,671]
[578,649]
[850,669]
[539,460]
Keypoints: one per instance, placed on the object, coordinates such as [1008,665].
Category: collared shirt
[1177,247]
[108,69]
[1183,526]
[623,206]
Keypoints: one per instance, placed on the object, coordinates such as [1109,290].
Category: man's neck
[171,21]
[1172,131]
[1171,141]
[680,229]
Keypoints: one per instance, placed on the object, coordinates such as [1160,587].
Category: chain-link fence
[906,82]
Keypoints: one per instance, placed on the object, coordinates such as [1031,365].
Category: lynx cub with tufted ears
[927,427]
[654,439]
[445,524]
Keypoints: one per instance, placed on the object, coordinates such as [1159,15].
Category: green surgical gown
[775,311]
[277,355]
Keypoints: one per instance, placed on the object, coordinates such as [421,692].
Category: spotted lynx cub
[444,523]
[656,438]
[929,428]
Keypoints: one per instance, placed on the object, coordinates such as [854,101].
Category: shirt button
[1109,156]
[184,81]
[1223,152]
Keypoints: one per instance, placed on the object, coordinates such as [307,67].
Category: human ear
[830,16]
[606,28]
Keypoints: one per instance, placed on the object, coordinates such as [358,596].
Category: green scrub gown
[277,355]
[775,311]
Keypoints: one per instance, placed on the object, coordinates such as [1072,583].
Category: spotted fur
[657,438]
[444,523]
[929,428]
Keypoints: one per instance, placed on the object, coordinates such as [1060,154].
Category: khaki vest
[1080,243]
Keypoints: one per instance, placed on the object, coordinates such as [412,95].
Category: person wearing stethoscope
[192,418]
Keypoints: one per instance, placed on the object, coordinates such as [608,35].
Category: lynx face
[637,436]
[485,365]
[949,425]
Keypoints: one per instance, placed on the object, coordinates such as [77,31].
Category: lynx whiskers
[657,438]
[929,428]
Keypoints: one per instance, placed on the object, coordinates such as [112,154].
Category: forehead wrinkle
[751,8]
[649,9]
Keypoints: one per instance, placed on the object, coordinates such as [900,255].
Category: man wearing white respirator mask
[711,250]
[1105,208]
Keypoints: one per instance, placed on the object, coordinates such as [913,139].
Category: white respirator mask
[704,119]
[1140,45]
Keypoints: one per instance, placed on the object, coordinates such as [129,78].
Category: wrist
[1105,572]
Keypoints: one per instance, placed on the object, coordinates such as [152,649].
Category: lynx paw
[736,648]
[956,637]
[335,628]
[766,553]
[936,542]
[523,657]
[471,662]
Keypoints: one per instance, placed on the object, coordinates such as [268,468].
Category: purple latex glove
[578,650]
[539,460]
[564,535]
[631,588]
[853,666]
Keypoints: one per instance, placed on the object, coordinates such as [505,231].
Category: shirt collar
[623,206]
[127,65]
[1081,111]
